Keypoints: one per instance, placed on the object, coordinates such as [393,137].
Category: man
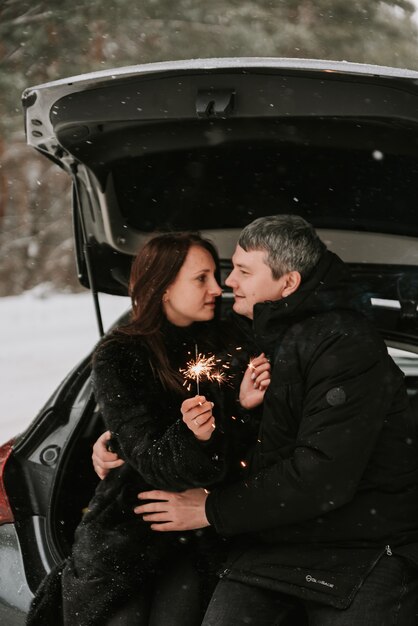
[327,518]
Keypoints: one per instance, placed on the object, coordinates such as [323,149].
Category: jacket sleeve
[346,393]
[165,452]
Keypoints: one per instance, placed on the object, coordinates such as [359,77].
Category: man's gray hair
[290,242]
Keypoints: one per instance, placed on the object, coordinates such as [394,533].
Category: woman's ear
[165,296]
[292,282]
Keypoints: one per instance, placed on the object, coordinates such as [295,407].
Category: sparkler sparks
[204,368]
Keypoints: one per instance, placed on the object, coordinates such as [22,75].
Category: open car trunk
[210,145]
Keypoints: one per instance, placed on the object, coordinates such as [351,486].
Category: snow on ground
[43,335]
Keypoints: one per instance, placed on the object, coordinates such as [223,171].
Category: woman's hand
[103,460]
[197,415]
[255,382]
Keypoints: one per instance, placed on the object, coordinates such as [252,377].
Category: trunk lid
[211,144]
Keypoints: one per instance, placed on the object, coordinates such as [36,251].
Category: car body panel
[6,513]
[36,475]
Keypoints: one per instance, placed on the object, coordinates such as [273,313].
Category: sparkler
[203,368]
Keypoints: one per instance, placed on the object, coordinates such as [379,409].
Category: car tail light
[6,514]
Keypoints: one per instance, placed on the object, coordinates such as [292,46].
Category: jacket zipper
[388,550]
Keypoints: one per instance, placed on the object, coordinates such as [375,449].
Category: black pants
[174,598]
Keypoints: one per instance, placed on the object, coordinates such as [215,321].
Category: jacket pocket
[313,573]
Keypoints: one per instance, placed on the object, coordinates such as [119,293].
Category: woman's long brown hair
[153,270]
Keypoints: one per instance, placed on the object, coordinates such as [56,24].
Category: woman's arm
[136,409]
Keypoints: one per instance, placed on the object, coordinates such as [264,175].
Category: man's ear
[292,282]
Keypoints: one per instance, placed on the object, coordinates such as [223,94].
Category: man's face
[251,281]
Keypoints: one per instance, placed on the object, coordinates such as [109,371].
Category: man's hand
[197,415]
[255,382]
[174,511]
[103,460]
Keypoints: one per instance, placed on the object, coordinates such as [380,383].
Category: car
[207,145]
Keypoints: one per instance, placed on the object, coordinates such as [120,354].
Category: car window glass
[227,185]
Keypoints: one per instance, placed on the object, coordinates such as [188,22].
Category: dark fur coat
[114,550]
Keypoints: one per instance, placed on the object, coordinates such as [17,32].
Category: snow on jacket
[333,482]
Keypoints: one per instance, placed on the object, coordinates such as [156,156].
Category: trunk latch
[215,103]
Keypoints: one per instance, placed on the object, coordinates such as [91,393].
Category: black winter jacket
[333,482]
[114,550]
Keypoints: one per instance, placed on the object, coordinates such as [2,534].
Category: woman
[168,440]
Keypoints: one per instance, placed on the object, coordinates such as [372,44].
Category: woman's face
[192,295]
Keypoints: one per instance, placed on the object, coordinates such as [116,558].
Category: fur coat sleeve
[147,424]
